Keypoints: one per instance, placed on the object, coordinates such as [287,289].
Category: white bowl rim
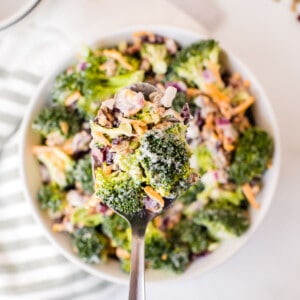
[76,260]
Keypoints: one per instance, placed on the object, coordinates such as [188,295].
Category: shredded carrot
[119,57]
[154,195]
[192,92]
[64,127]
[215,93]
[67,146]
[247,190]
[243,106]
[215,69]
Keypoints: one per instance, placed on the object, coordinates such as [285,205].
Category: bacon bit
[236,76]
[227,146]
[246,84]
[216,94]
[122,253]
[226,110]
[215,69]
[107,169]
[58,227]
[64,127]
[116,55]
[72,98]
[154,195]
[139,34]
[247,190]
[243,106]
[100,138]
[158,221]
[67,146]
[192,92]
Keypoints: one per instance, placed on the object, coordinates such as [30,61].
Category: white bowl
[264,117]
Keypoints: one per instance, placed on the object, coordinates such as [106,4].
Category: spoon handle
[137,272]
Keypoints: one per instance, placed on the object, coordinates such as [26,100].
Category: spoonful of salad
[146,164]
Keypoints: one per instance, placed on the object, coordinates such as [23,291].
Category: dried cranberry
[199,121]
[185,113]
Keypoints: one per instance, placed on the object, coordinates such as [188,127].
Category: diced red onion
[208,76]
[186,113]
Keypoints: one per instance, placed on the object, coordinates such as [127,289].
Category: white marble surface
[266,36]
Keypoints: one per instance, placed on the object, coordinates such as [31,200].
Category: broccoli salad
[229,152]
[149,165]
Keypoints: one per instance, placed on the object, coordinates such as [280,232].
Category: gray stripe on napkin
[25,243]
[31,265]
[8,118]
[16,222]
[9,175]
[12,199]
[37,286]
[14,96]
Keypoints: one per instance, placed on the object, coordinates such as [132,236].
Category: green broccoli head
[157,55]
[52,198]
[83,175]
[90,245]
[83,217]
[194,236]
[98,88]
[222,220]
[118,230]
[190,195]
[57,120]
[119,191]
[67,83]
[161,254]
[190,62]
[252,155]
[58,163]
[164,156]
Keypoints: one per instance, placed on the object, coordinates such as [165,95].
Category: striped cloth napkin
[30,268]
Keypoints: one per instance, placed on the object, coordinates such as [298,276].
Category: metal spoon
[138,223]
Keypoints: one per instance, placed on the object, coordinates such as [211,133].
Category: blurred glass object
[12,11]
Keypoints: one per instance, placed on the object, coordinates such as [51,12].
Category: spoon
[138,223]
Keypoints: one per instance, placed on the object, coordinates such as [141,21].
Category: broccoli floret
[59,164]
[97,87]
[165,158]
[52,198]
[90,245]
[179,101]
[235,197]
[157,55]
[83,175]
[161,254]
[118,230]
[204,159]
[66,84]
[190,62]
[57,120]
[192,235]
[81,216]
[223,221]
[252,155]
[190,195]
[119,192]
